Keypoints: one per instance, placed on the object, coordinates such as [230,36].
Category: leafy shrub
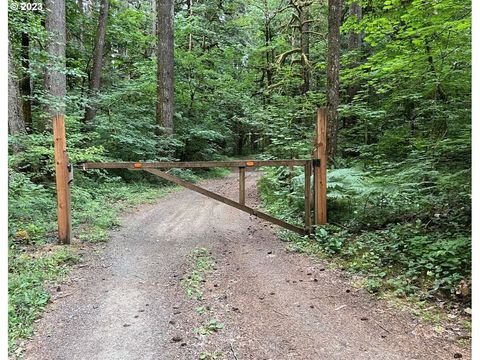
[31,209]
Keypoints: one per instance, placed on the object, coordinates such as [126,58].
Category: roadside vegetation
[398,237]
[400,234]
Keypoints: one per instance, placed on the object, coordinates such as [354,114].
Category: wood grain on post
[308,207]
[61,174]
[241,171]
[320,170]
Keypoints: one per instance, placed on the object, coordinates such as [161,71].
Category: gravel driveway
[126,302]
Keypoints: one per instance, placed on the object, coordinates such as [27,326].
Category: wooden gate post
[241,182]
[308,207]
[62,180]
[320,168]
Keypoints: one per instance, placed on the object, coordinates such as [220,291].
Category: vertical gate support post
[62,180]
[241,183]
[308,206]
[320,168]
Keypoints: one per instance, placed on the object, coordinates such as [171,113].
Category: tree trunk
[305,45]
[96,76]
[354,43]
[269,55]
[55,79]
[333,73]
[355,39]
[190,17]
[164,114]
[16,122]
[25,87]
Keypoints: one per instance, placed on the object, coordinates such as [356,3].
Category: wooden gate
[317,166]
[241,165]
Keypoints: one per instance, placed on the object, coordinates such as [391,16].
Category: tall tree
[55,79]
[165,14]
[333,73]
[354,44]
[190,16]
[355,37]
[96,75]
[16,122]
[25,81]
[304,26]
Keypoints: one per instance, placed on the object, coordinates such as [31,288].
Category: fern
[347,183]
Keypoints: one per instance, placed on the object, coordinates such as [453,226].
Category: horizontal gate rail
[152,167]
[227,201]
[192,164]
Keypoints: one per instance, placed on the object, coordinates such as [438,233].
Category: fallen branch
[278,312]
[233,351]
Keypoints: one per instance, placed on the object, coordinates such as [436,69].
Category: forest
[193,80]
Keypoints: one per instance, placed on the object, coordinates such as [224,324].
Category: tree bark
[25,85]
[354,43]
[55,79]
[16,122]
[305,45]
[355,39]
[190,16]
[333,73]
[96,75]
[165,13]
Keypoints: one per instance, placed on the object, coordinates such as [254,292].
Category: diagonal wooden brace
[225,200]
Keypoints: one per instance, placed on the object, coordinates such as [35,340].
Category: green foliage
[209,328]
[207,355]
[282,192]
[405,228]
[30,209]
[201,264]
[403,258]
[27,295]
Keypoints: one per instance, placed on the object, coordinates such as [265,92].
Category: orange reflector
[250,163]
[137,165]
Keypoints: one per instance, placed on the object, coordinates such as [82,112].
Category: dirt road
[126,301]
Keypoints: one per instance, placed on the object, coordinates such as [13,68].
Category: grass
[207,355]
[28,274]
[202,264]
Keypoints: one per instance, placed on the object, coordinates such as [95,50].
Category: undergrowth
[28,273]
[404,230]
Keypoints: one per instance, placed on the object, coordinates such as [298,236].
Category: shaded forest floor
[190,278]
